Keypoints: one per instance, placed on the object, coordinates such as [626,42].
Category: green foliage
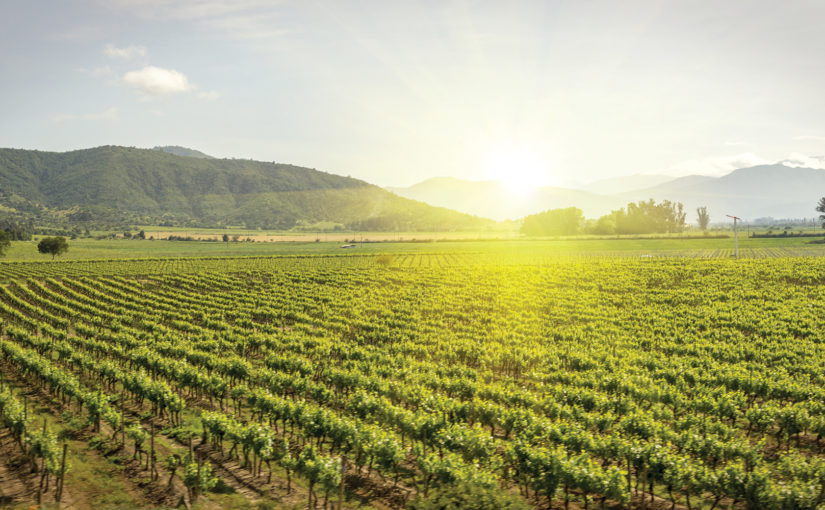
[136,433]
[554,222]
[53,246]
[5,242]
[467,496]
[605,225]
[44,445]
[12,413]
[702,217]
[198,477]
[177,150]
[15,229]
[644,218]
[172,462]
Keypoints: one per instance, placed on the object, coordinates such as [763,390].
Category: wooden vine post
[153,472]
[122,421]
[59,484]
[341,485]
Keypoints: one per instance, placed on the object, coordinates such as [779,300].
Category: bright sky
[395,92]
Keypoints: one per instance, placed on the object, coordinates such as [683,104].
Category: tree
[20,230]
[703,218]
[605,225]
[226,238]
[53,245]
[820,207]
[647,217]
[554,222]
[5,242]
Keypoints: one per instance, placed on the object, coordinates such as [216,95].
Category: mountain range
[493,199]
[177,186]
[778,190]
[624,183]
[144,186]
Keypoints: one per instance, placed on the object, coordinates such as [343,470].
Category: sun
[520,170]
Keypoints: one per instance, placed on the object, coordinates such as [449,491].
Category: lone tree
[53,245]
[820,207]
[703,217]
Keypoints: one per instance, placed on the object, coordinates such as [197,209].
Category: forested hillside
[151,186]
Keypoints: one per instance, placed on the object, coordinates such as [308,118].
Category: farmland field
[652,379]
[704,247]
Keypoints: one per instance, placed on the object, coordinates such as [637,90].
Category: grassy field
[693,247]
[321,235]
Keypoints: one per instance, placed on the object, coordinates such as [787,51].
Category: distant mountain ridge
[625,183]
[492,199]
[145,185]
[765,190]
[776,190]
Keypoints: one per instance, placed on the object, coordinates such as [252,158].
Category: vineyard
[657,381]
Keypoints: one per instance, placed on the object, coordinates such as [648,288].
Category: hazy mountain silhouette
[775,190]
[765,190]
[493,199]
[625,183]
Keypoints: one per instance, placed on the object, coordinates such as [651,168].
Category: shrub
[467,496]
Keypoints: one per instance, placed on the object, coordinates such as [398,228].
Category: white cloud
[107,114]
[717,166]
[801,160]
[127,53]
[156,81]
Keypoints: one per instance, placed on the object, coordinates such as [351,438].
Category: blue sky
[394,92]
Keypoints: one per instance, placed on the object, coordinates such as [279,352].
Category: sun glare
[519,170]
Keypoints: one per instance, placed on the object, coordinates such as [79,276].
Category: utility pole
[735,235]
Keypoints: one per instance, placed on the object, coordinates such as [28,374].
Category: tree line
[636,218]
[643,217]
